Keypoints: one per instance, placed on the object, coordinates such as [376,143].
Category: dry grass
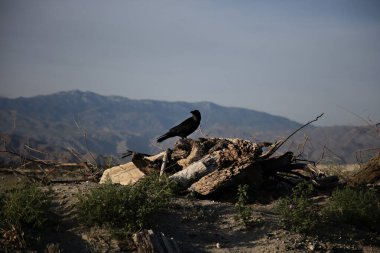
[343,171]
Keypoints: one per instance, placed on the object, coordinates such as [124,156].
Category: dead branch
[301,147]
[74,153]
[29,159]
[203,134]
[336,155]
[272,149]
[303,126]
[358,153]
[164,162]
[86,144]
[35,150]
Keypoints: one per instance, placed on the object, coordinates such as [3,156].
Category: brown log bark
[251,173]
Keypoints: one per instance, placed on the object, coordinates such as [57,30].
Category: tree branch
[303,126]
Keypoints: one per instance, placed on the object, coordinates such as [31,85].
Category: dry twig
[301,127]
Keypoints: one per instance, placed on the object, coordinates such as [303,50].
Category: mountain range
[73,124]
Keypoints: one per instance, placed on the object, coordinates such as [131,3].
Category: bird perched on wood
[185,128]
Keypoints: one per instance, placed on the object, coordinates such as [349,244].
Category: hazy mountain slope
[112,124]
[348,144]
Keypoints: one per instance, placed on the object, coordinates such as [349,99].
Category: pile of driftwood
[209,166]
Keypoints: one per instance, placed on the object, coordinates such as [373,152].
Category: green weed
[23,213]
[124,207]
[355,206]
[244,212]
[297,211]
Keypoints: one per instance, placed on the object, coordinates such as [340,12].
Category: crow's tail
[164,137]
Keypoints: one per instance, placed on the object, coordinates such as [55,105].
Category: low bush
[297,211]
[355,206]
[124,207]
[23,213]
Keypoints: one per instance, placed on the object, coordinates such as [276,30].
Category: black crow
[184,129]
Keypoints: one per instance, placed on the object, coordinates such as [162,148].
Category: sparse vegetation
[297,211]
[355,206]
[23,210]
[244,212]
[124,207]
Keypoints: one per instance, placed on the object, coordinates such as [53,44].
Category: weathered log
[124,174]
[251,173]
[210,165]
[272,148]
[276,164]
[195,154]
[147,241]
[156,157]
[131,172]
[194,172]
[313,170]
[141,162]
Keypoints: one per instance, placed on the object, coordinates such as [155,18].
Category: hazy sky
[290,58]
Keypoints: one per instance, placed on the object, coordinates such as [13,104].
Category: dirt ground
[206,226]
[200,226]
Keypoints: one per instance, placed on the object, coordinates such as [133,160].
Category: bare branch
[303,126]
[203,134]
[12,152]
[84,132]
[358,153]
[92,156]
[164,161]
[73,152]
[301,147]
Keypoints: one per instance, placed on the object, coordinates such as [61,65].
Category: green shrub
[244,212]
[26,206]
[23,210]
[126,207]
[355,206]
[297,211]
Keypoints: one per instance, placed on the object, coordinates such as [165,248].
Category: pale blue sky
[290,58]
